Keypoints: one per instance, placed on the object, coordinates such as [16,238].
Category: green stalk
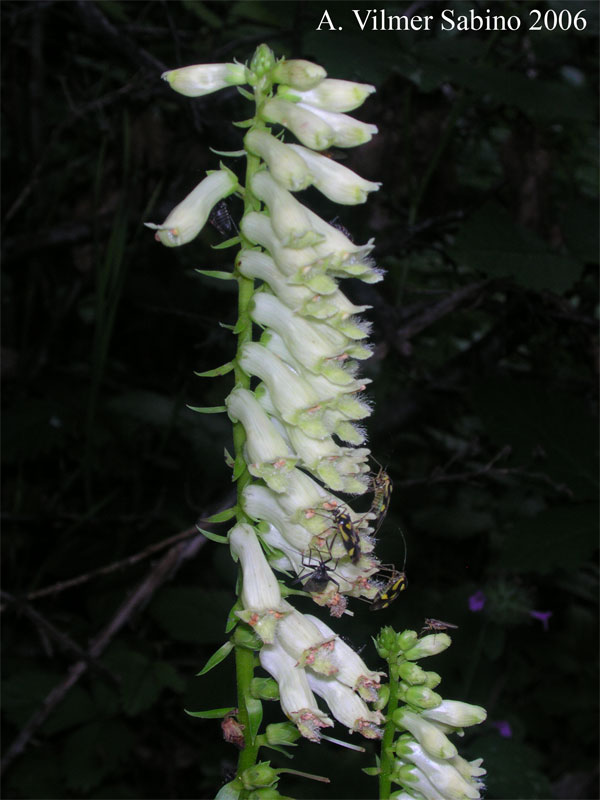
[244,658]
[387,758]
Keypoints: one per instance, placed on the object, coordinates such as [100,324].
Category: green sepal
[216,658]
[239,467]
[245,123]
[224,245]
[232,619]
[214,537]
[213,373]
[371,771]
[228,153]
[241,324]
[255,715]
[231,791]
[281,750]
[222,275]
[226,325]
[213,713]
[222,516]
[229,462]
[208,409]
[245,93]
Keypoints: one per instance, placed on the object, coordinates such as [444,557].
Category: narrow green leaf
[255,715]
[228,153]
[372,771]
[232,619]
[239,467]
[214,713]
[226,326]
[214,537]
[245,123]
[212,373]
[228,458]
[245,93]
[217,273]
[222,516]
[208,409]
[281,750]
[216,658]
[227,243]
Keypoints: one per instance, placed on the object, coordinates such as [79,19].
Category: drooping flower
[201,79]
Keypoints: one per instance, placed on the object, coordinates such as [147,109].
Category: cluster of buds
[298,396]
[423,759]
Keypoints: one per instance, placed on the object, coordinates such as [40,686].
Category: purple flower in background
[504,728]
[477,601]
[543,617]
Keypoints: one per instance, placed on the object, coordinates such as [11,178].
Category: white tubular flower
[468,769]
[261,503]
[348,132]
[285,165]
[292,396]
[352,670]
[346,706]
[334,180]
[188,218]
[411,777]
[300,74]
[260,592]
[440,772]
[331,94]
[426,733]
[307,126]
[269,457]
[314,344]
[338,467]
[456,713]
[303,641]
[296,698]
[202,79]
[288,217]
[299,266]
[336,246]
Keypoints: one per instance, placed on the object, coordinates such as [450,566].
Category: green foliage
[485,406]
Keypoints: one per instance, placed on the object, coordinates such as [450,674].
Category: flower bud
[202,79]
[456,713]
[281,733]
[264,689]
[406,639]
[432,679]
[428,646]
[188,218]
[331,94]
[386,643]
[299,74]
[347,131]
[309,128]
[333,179]
[412,673]
[262,774]
[285,165]
[422,697]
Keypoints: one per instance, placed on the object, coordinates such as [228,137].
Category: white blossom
[331,94]
[201,79]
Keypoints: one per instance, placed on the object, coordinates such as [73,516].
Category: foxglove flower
[188,218]
[330,94]
[202,79]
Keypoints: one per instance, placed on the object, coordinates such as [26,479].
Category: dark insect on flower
[344,528]
[435,626]
[396,583]
[317,577]
[382,491]
[222,220]
[335,223]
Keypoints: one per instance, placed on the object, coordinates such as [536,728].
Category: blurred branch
[169,564]
[61,586]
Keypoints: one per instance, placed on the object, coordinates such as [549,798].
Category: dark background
[484,384]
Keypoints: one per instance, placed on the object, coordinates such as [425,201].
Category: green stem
[387,759]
